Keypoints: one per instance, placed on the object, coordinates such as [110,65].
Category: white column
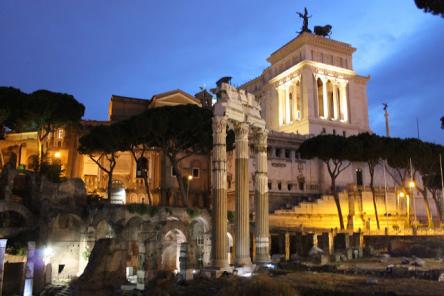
[343,101]
[219,181]
[287,104]
[242,222]
[2,259]
[325,98]
[295,101]
[280,106]
[261,199]
[335,102]
[29,269]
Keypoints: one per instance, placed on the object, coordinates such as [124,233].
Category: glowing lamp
[401,194]
[412,184]
[57,154]
[190,178]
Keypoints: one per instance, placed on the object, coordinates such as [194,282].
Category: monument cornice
[319,67]
[309,39]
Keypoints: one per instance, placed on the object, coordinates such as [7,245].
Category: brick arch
[18,208]
[172,225]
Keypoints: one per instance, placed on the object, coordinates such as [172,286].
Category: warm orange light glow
[412,184]
[57,154]
[190,177]
[401,194]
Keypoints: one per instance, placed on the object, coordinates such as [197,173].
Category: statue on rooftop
[304,16]
[324,31]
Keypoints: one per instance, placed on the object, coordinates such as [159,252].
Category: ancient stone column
[287,246]
[2,258]
[29,270]
[261,198]
[219,183]
[242,196]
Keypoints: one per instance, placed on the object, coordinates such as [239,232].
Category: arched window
[320,89]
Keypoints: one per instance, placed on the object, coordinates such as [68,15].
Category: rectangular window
[173,172]
[287,153]
[60,133]
[196,173]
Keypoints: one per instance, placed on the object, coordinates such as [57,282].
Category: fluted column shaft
[2,259]
[219,175]
[242,196]
[325,98]
[261,198]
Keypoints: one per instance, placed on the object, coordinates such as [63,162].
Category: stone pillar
[280,95]
[288,108]
[141,267]
[242,196]
[325,98]
[219,175]
[2,259]
[343,101]
[261,198]
[29,270]
[335,102]
[287,246]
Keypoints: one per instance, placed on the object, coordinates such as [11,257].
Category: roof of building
[312,39]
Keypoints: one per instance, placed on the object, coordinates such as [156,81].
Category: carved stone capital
[260,139]
[241,131]
[219,124]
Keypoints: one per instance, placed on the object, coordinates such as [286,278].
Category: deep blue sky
[93,49]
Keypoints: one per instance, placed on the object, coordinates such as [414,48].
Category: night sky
[93,49]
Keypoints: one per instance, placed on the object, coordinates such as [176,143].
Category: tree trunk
[180,181]
[372,188]
[110,185]
[427,208]
[337,202]
[147,188]
[438,205]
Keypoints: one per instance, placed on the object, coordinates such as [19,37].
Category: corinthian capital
[241,131]
[219,124]
[260,139]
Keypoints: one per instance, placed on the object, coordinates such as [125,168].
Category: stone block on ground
[105,271]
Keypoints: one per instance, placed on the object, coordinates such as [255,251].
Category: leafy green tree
[407,159]
[334,152]
[102,145]
[177,131]
[47,111]
[435,7]
[427,163]
[12,108]
[368,148]
[135,140]
[42,111]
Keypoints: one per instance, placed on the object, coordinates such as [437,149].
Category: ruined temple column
[242,196]
[261,198]
[219,183]
[2,258]
[29,270]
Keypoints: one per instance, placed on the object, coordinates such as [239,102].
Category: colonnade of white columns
[289,102]
[339,95]
[242,220]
